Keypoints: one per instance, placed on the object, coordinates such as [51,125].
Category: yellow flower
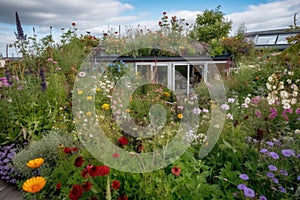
[180,116]
[35,163]
[167,94]
[79,92]
[89,98]
[105,106]
[127,110]
[88,113]
[98,89]
[34,185]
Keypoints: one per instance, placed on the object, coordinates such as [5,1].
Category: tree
[210,25]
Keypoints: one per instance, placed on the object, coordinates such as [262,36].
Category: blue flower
[262,197]
[241,186]
[270,175]
[298,178]
[270,143]
[248,192]
[283,172]
[244,177]
[282,189]
[263,151]
[275,180]
[274,155]
[272,168]
[288,152]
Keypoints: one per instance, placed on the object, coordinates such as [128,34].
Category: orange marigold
[34,185]
[35,163]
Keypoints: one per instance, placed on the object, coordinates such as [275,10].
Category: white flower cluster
[282,90]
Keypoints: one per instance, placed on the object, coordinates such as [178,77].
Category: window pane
[282,38]
[266,40]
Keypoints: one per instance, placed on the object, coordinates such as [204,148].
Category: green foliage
[210,25]
[47,148]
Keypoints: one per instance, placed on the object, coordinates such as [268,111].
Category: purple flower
[282,189]
[270,143]
[274,155]
[244,177]
[283,172]
[298,111]
[255,100]
[224,107]
[272,168]
[263,151]
[273,115]
[231,100]
[275,180]
[288,152]
[262,197]
[298,178]
[273,110]
[248,192]
[270,175]
[258,114]
[241,186]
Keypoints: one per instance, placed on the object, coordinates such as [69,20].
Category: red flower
[115,185]
[76,192]
[87,186]
[123,197]
[176,171]
[73,24]
[58,186]
[164,13]
[78,161]
[123,140]
[92,170]
[115,155]
[67,150]
[84,173]
[103,170]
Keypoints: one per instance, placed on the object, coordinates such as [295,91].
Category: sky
[99,16]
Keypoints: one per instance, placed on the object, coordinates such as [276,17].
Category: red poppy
[115,155]
[103,170]
[123,197]
[87,186]
[123,141]
[115,185]
[67,150]
[176,171]
[76,192]
[92,170]
[58,186]
[79,161]
[73,24]
[84,173]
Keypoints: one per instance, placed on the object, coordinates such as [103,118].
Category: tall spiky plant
[20,35]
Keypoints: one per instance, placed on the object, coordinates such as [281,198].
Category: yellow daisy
[89,98]
[35,163]
[105,106]
[34,185]
[79,92]
[98,89]
[180,116]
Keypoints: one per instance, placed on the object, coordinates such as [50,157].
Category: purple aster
[248,192]
[283,172]
[275,180]
[263,151]
[244,177]
[241,186]
[270,175]
[225,107]
[270,143]
[272,168]
[262,197]
[282,189]
[288,152]
[274,155]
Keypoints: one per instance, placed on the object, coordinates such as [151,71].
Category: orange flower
[35,163]
[34,185]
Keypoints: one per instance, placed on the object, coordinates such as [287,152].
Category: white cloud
[278,14]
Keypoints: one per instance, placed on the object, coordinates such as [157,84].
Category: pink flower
[258,114]
[176,171]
